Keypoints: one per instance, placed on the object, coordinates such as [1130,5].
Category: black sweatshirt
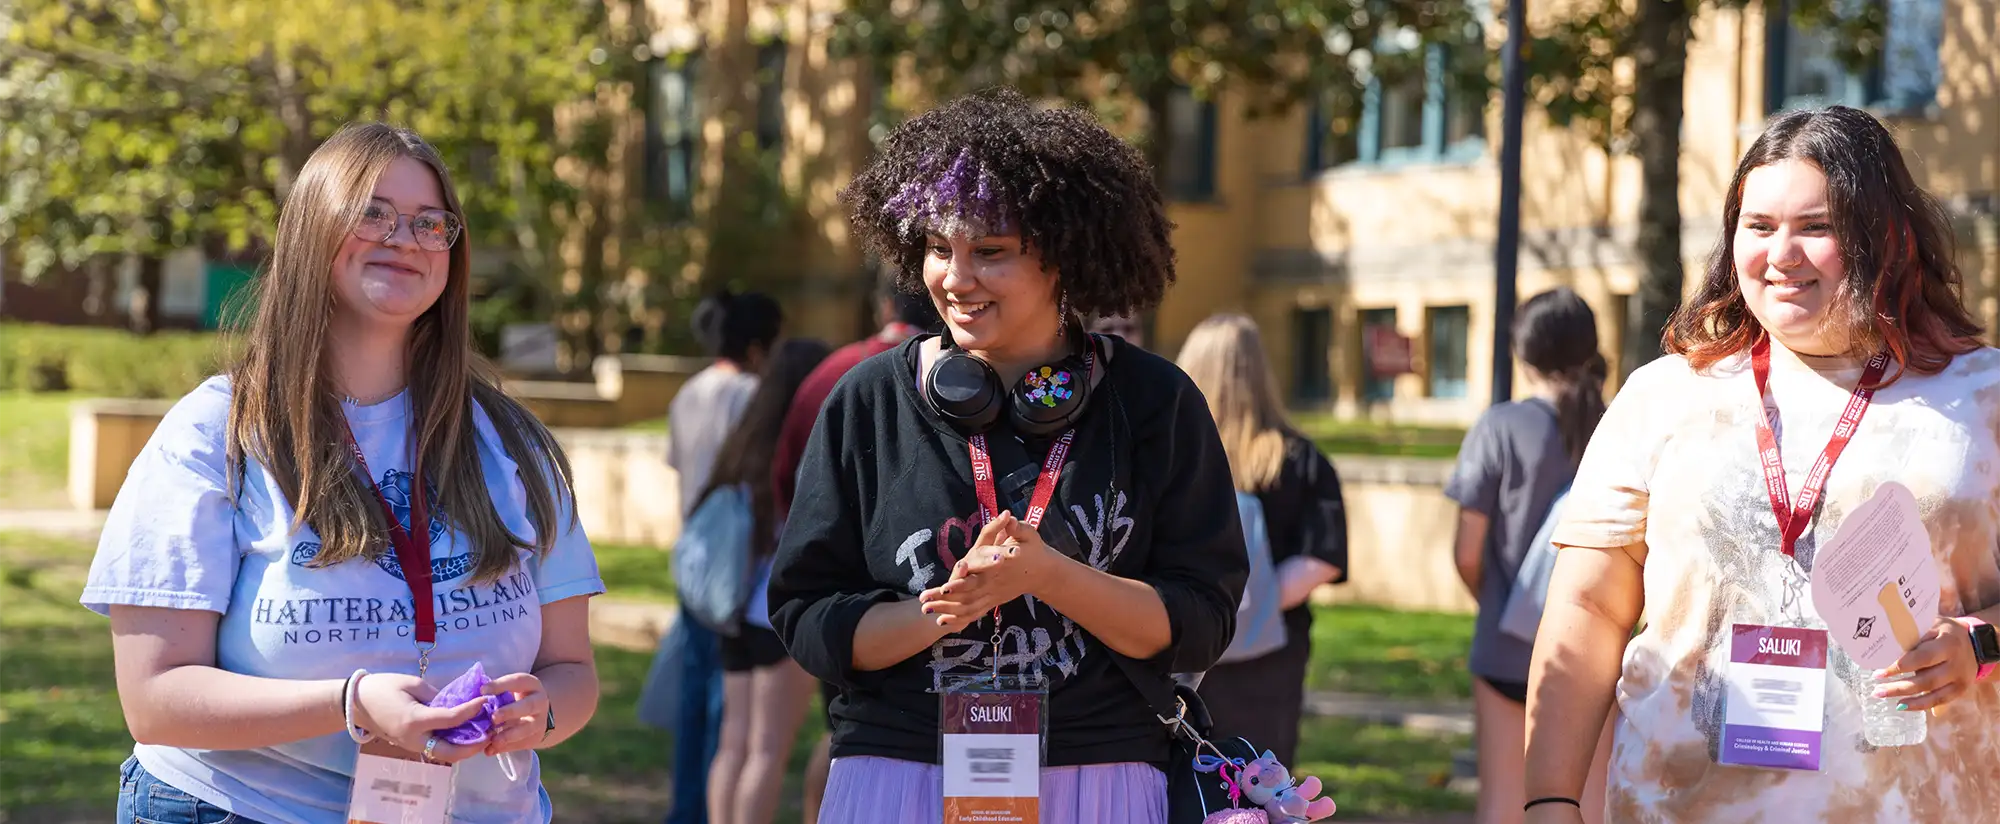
[1304,514]
[886,506]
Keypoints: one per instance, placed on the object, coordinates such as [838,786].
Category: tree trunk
[1660,43]
[729,80]
[145,300]
[1156,99]
[296,143]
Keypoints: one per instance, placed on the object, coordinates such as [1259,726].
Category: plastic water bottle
[1884,725]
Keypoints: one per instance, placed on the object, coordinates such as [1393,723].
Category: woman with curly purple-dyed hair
[916,557]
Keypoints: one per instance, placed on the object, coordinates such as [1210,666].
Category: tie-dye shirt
[1674,465]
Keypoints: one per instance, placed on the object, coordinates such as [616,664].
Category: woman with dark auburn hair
[1830,318]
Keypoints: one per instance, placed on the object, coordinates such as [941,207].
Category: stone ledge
[1393,470]
[638,439]
[121,407]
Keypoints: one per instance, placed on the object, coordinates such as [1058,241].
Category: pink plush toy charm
[1269,785]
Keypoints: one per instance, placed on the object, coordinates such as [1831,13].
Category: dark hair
[1901,290]
[1555,333]
[1081,198]
[914,308]
[747,453]
[727,325]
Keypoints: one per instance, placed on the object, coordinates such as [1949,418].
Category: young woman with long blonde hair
[1261,698]
[266,613]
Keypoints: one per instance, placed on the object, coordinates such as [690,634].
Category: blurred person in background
[902,315]
[1305,524]
[1124,326]
[1515,462]
[358,453]
[738,331]
[1831,314]
[764,694]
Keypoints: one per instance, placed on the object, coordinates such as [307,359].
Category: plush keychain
[1268,785]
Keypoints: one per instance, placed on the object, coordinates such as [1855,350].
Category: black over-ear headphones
[967,393]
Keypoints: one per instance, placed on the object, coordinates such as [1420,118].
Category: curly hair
[1081,198]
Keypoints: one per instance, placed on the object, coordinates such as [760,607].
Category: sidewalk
[68,523]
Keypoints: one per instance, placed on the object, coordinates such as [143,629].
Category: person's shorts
[753,647]
[1515,691]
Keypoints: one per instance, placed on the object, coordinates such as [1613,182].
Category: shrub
[106,362]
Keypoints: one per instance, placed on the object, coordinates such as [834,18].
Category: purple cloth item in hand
[465,688]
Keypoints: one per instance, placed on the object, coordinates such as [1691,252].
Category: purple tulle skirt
[866,790]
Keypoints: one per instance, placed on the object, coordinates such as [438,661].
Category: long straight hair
[750,449]
[1225,357]
[285,410]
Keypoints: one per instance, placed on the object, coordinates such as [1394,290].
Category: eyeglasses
[434,229]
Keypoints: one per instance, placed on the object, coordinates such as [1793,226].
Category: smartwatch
[1985,644]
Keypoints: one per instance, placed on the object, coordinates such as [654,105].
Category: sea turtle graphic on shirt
[395,488]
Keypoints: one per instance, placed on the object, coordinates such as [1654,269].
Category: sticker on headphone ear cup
[1048,386]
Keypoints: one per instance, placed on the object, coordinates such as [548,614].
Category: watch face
[1986,643]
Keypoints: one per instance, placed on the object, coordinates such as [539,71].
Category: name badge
[1776,701]
[992,746]
[395,786]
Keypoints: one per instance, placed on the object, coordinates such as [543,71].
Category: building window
[1191,149]
[1804,70]
[673,133]
[771,96]
[1379,365]
[1312,337]
[1447,349]
[1417,116]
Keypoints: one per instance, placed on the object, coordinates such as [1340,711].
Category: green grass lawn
[1415,655]
[62,735]
[34,449]
[1339,437]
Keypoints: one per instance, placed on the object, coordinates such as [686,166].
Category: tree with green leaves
[1113,53]
[1575,68]
[143,126]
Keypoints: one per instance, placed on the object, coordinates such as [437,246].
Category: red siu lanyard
[413,551]
[1792,520]
[1045,484]
[1038,503]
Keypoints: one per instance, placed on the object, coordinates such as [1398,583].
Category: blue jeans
[143,799]
[700,724]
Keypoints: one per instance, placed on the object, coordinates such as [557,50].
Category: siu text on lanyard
[1792,519]
[992,729]
[393,785]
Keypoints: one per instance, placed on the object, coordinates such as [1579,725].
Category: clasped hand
[396,708]
[1009,559]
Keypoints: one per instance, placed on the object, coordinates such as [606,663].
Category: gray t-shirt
[1510,468]
[699,420]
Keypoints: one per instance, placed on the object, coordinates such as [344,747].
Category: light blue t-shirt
[174,539]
